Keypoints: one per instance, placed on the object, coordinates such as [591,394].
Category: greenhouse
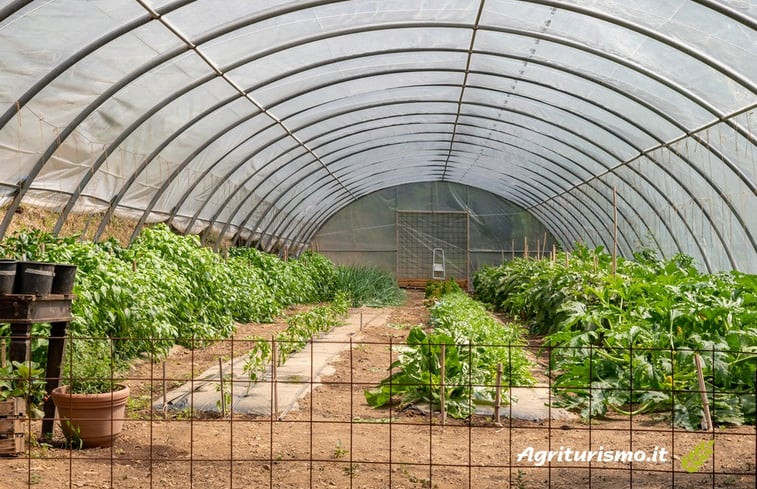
[372,243]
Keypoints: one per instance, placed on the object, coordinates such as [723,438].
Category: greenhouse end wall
[366,231]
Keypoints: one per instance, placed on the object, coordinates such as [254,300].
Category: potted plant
[92,404]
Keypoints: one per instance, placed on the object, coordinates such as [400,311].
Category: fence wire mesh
[319,431]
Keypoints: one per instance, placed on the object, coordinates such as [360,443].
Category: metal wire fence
[310,426]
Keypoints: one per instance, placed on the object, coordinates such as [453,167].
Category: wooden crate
[13,407]
[12,426]
[13,446]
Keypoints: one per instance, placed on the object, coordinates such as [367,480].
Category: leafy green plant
[626,342]
[166,289]
[436,289]
[300,329]
[89,367]
[339,450]
[474,344]
[368,285]
[25,380]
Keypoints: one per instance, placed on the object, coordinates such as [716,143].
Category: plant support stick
[442,400]
[703,392]
[498,394]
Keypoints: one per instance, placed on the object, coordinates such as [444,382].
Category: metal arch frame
[563,41]
[564,230]
[617,91]
[463,85]
[317,223]
[582,117]
[527,115]
[12,8]
[243,201]
[652,34]
[546,168]
[381,73]
[73,125]
[548,137]
[168,181]
[115,201]
[89,174]
[558,230]
[562,142]
[313,227]
[108,93]
[244,182]
[664,40]
[527,183]
[569,170]
[522,199]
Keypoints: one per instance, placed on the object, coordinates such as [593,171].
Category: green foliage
[23,379]
[300,329]
[474,344]
[436,289]
[90,367]
[626,342]
[368,285]
[166,289]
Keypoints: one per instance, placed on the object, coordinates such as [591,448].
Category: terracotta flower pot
[96,419]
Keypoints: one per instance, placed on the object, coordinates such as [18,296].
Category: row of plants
[166,289]
[626,341]
[301,328]
[474,343]
[368,285]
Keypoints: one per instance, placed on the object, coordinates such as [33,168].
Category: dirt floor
[336,440]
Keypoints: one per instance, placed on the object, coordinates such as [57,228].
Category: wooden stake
[223,398]
[512,248]
[614,230]
[274,386]
[567,259]
[134,265]
[2,354]
[165,399]
[596,262]
[538,249]
[544,244]
[554,252]
[707,421]
[498,394]
[442,406]
[525,246]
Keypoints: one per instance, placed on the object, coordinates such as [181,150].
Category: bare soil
[336,440]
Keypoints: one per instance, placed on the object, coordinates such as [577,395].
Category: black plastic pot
[34,278]
[63,282]
[7,276]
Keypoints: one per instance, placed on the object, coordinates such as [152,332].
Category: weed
[520,480]
[339,450]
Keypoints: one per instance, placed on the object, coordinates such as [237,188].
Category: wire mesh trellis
[333,438]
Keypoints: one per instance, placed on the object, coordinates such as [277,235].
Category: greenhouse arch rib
[696,55]
[111,91]
[233,214]
[197,181]
[244,222]
[671,86]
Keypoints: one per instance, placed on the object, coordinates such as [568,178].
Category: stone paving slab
[293,378]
